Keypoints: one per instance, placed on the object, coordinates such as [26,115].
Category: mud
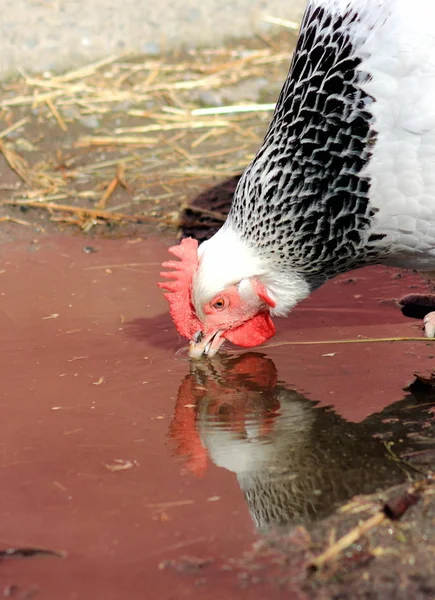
[150,476]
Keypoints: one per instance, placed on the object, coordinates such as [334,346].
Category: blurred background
[41,35]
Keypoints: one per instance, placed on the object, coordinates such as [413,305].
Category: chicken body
[344,178]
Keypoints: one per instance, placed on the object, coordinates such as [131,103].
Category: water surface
[117,452]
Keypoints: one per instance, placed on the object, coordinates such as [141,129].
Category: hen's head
[215,296]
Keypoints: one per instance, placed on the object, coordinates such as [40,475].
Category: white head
[233,293]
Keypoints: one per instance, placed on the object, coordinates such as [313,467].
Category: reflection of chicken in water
[294,462]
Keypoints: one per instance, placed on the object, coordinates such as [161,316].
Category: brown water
[110,443]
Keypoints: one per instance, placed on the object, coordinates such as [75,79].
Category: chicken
[344,178]
[294,461]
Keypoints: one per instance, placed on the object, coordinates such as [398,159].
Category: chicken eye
[219,303]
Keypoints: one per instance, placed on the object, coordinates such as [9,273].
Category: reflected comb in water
[294,462]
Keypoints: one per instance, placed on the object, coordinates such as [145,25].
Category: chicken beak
[205,345]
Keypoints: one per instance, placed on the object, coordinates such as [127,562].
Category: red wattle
[256,331]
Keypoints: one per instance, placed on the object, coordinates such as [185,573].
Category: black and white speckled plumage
[345,176]
[304,199]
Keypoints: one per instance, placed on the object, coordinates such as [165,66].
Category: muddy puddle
[127,472]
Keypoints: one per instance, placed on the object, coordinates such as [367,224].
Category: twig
[393,509]
[203,137]
[31,99]
[13,220]
[210,213]
[283,22]
[119,179]
[123,140]
[13,127]
[16,163]
[172,126]
[87,212]
[348,539]
[108,163]
[102,202]
[122,266]
[228,110]
[56,114]
[354,341]
[87,70]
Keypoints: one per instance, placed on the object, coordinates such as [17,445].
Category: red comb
[179,290]
[184,428]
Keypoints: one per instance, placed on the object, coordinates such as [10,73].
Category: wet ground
[148,475]
[128,471]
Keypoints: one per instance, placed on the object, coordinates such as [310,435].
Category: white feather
[250,452]
[225,260]
[398,51]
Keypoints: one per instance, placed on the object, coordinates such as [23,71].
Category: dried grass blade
[91,213]
[293,25]
[13,127]
[102,202]
[56,114]
[227,110]
[173,126]
[115,141]
[87,70]
[17,163]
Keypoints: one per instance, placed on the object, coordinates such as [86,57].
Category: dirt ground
[123,152]
[134,140]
